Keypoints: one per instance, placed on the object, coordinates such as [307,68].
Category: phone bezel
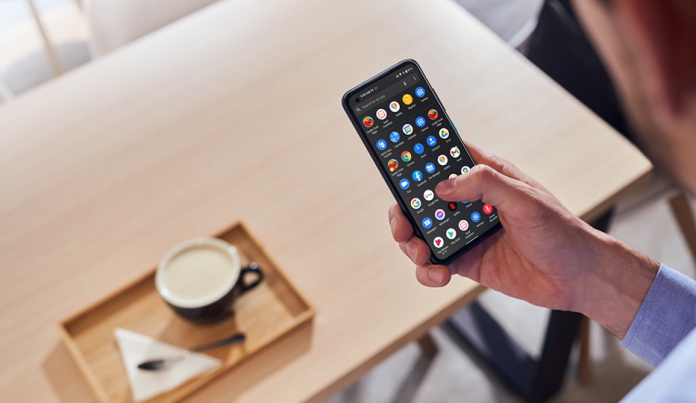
[375,158]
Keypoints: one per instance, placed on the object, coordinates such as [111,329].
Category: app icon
[429,167]
[442,160]
[451,233]
[452,176]
[465,170]
[381,144]
[418,148]
[407,99]
[487,208]
[475,216]
[408,129]
[431,140]
[381,114]
[454,152]
[452,206]
[406,156]
[417,176]
[444,133]
[440,214]
[432,114]
[404,184]
[438,242]
[463,225]
[416,203]
[420,92]
[427,222]
[394,137]
[368,121]
[394,106]
[393,165]
[420,121]
[428,195]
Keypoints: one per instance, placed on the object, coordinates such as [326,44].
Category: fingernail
[412,250]
[435,276]
[392,224]
[445,186]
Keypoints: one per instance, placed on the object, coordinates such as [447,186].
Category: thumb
[486,184]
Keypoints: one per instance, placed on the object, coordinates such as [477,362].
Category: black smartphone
[415,146]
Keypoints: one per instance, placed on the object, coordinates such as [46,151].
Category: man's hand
[544,254]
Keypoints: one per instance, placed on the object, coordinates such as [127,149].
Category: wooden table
[233,113]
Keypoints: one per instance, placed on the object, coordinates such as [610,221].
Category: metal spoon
[166,362]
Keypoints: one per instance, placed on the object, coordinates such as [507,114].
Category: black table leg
[532,380]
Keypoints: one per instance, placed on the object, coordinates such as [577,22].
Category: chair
[48,46]
[560,48]
[5,93]
[114,23]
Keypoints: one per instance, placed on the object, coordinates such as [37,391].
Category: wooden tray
[266,313]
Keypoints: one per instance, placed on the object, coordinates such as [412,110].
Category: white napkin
[137,348]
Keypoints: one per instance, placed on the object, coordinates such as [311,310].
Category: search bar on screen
[394,89]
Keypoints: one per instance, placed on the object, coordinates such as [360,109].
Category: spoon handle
[237,338]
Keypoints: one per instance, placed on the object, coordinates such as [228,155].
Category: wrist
[616,283]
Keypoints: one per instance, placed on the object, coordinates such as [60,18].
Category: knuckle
[483,173]
[507,168]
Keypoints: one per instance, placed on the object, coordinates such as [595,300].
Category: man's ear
[664,34]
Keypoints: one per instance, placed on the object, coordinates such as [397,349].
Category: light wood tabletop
[233,113]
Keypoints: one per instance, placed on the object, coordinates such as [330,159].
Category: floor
[453,374]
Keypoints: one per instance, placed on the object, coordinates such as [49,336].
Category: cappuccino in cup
[201,278]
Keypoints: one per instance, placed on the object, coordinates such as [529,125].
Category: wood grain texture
[233,114]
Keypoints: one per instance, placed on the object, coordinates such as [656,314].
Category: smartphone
[415,146]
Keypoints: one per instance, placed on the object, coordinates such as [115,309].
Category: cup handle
[253,268]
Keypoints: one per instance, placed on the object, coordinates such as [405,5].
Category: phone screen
[416,146]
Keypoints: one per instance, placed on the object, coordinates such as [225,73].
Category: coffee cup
[201,279]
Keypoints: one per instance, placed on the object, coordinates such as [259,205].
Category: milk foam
[200,272]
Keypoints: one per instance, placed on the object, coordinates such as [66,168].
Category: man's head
[649,47]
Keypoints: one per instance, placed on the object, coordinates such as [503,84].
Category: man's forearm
[614,289]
